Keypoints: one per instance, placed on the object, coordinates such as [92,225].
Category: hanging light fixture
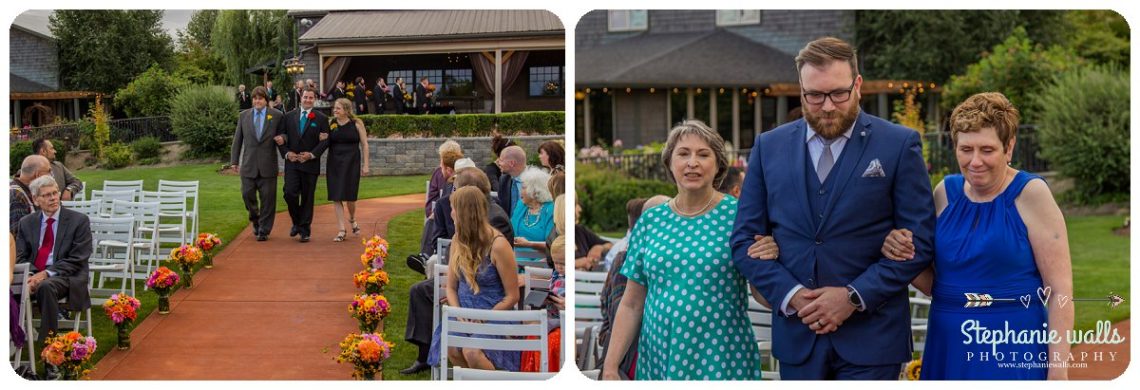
[294,66]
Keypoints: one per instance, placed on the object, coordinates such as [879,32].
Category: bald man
[512,162]
[20,200]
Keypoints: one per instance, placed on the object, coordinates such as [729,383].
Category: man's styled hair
[827,49]
[261,92]
[38,145]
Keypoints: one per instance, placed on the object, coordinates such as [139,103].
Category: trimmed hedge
[19,151]
[115,156]
[204,117]
[603,193]
[465,125]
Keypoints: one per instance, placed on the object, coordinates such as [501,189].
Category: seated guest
[498,143]
[418,328]
[588,247]
[57,244]
[67,182]
[438,181]
[733,182]
[557,183]
[482,274]
[20,200]
[552,156]
[555,304]
[559,224]
[614,288]
[632,210]
[512,161]
[533,214]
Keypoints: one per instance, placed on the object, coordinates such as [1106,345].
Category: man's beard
[830,130]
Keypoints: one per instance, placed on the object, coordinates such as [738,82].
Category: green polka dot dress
[695,325]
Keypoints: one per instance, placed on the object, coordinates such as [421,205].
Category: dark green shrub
[19,151]
[465,125]
[149,94]
[204,117]
[146,148]
[603,193]
[115,156]
[1084,131]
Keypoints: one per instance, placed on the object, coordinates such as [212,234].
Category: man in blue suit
[829,188]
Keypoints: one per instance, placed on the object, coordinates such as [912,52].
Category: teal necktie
[304,121]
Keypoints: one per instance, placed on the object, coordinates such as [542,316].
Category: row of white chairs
[119,189]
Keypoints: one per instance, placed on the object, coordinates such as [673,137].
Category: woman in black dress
[348,159]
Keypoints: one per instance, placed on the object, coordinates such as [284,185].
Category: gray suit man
[57,243]
[253,143]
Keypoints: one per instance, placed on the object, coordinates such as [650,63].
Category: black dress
[343,166]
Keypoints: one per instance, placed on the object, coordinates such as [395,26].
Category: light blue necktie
[304,120]
[257,122]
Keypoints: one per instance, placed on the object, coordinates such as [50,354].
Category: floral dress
[695,324]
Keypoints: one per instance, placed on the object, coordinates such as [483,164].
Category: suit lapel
[798,156]
[848,162]
[59,231]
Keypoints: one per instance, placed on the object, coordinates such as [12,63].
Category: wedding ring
[819,324]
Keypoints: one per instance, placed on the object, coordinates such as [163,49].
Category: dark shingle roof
[705,59]
[20,84]
[367,26]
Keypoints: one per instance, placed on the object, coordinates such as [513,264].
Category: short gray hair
[41,182]
[534,184]
[32,165]
[701,130]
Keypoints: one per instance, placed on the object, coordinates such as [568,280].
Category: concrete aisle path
[1105,361]
[269,310]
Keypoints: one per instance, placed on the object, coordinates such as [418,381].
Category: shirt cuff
[784,307]
[862,304]
[50,273]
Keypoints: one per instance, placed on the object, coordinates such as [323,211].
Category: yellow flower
[914,369]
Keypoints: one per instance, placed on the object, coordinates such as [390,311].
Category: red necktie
[45,248]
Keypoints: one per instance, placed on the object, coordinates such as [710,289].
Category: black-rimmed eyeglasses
[837,96]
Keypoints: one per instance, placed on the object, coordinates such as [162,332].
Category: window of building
[457,82]
[434,76]
[394,74]
[628,20]
[737,17]
[546,81]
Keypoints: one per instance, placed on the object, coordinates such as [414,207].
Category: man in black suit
[253,143]
[301,143]
[423,97]
[360,97]
[295,96]
[57,244]
[380,95]
[337,92]
[243,99]
[512,161]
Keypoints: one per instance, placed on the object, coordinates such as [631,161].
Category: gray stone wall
[33,57]
[420,156]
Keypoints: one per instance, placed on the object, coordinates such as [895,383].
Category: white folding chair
[472,374]
[443,249]
[523,330]
[146,234]
[439,284]
[106,231]
[172,227]
[109,197]
[191,188]
[919,314]
[592,374]
[530,257]
[123,185]
[588,315]
[761,319]
[18,287]
[587,282]
[90,208]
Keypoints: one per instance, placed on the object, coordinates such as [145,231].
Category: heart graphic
[1063,300]
[1043,294]
[1025,299]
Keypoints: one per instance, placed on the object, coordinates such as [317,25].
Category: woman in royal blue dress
[999,232]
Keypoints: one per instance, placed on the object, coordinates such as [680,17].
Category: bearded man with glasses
[828,188]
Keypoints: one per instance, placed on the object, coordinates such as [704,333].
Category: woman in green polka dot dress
[684,295]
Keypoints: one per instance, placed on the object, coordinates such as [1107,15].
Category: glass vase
[124,342]
[164,302]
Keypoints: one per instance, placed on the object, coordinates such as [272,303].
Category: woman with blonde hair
[482,274]
[347,161]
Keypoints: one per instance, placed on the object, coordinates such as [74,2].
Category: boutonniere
[269,117]
[332,126]
[312,116]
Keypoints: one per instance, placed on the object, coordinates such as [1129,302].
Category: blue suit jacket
[844,249]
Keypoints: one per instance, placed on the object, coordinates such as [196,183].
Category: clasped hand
[823,309]
[299,157]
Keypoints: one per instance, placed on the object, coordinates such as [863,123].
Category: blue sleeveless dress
[984,248]
[490,293]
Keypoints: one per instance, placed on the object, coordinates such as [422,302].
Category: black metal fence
[940,157]
[122,130]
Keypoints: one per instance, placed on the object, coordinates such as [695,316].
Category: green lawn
[223,213]
[1100,267]
[404,239]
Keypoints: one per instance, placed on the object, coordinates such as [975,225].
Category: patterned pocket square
[875,169]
